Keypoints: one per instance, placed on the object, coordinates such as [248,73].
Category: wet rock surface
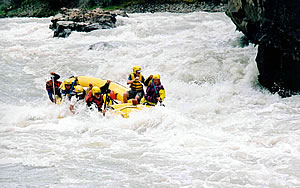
[275,26]
[181,7]
[82,20]
[100,46]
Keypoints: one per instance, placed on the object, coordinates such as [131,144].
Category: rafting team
[74,93]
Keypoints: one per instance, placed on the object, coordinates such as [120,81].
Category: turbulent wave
[218,129]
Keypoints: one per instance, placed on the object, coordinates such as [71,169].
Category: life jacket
[80,97]
[136,85]
[49,85]
[151,94]
[67,92]
[90,99]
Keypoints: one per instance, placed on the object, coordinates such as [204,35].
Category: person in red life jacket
[155,92]
[136,81]
[49,87]
[95,97]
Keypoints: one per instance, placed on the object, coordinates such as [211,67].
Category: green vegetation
[32,8]
[46,8]
[112,7]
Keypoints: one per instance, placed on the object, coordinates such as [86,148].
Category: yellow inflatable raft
[123,109]
[84,81]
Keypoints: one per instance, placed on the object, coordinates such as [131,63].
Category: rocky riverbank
[181,7]
[46,8]
[83,20]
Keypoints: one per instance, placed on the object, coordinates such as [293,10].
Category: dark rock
[82,20]
[100,46]
[275,26]
[120,13]
[180,7]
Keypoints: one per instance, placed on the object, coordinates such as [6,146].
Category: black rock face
[275,26]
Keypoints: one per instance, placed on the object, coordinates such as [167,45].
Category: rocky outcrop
[82,20]
[274,25]
[177,7]
[101,46]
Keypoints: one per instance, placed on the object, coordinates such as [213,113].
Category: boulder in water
[82,20]
[100,46]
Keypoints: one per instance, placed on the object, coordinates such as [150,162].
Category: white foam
[218,129]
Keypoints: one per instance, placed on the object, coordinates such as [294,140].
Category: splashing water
[218,129]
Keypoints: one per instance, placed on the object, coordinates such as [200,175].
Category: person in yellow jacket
[136,81]
[155,91]
[67,88]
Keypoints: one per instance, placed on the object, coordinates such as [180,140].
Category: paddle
[53,85]
[73,83]
[112,100]
[154,86]
[106,97]
[156,94]
[137,79]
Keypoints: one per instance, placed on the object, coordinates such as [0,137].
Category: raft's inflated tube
[126,108]
[118,89]
[123,109]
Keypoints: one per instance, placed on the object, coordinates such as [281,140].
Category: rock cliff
[274,25]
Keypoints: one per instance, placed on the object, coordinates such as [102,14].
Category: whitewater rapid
[219,127]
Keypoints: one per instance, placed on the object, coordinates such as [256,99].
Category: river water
[219,127]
